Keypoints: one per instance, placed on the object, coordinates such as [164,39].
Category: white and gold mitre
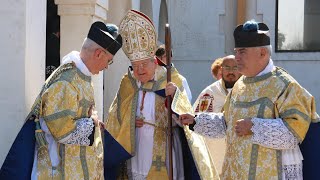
[139,36]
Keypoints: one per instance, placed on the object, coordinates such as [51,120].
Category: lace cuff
[272,133]
[210,125]
[292,172]
[136,176]
[82,135]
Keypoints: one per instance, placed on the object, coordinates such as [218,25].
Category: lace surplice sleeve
[210,125]
[272,133]
[83,135]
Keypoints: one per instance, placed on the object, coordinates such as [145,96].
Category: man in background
[216,69]
[211,100]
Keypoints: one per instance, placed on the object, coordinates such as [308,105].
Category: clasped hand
[170,89]
[243,127]
[186,119]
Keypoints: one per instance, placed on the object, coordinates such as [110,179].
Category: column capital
[97,8]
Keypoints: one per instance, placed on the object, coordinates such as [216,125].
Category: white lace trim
[272,133]
[136,176]
[81,135]
[210,125]
[292,172]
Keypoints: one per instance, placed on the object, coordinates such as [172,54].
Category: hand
[186,119]
[90,111]
[94,116]
[139,123]
[96,120]
[171,89]
[243,127]
[102,125]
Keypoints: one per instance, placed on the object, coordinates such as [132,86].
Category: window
[297,25]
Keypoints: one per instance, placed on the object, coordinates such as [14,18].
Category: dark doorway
[52,38]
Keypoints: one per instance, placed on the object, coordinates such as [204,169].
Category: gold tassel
[39,134]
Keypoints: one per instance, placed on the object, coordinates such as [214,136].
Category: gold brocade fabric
[65,101]
[275,94]
[158,169]
[139,35]
[122,113]
[45,170]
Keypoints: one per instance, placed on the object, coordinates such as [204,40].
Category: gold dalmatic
[268,96]
[60,105]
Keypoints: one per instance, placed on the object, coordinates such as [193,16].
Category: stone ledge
[96,8]
[76,9]
[74,2]
[102,3]
[100,12]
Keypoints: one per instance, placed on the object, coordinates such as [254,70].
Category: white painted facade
[201,32]
[22,65]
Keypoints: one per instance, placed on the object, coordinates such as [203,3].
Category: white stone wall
[201,32]
[22,66]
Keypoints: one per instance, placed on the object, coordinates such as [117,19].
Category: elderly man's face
[101,60]
[229,71]
[247,60]
[144,70]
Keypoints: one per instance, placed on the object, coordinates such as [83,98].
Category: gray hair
[89,45]
[269,49]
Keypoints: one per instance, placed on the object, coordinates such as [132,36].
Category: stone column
[76,19]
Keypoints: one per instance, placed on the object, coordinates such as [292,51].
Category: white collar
[74,56]
[267,69]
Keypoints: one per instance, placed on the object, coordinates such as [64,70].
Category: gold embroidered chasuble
[122,114]
[273,95]
[61,104]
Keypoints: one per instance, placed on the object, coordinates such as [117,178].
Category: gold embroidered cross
[158,163]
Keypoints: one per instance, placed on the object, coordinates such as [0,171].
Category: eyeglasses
[142,65]
[109,61]
[228,68]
